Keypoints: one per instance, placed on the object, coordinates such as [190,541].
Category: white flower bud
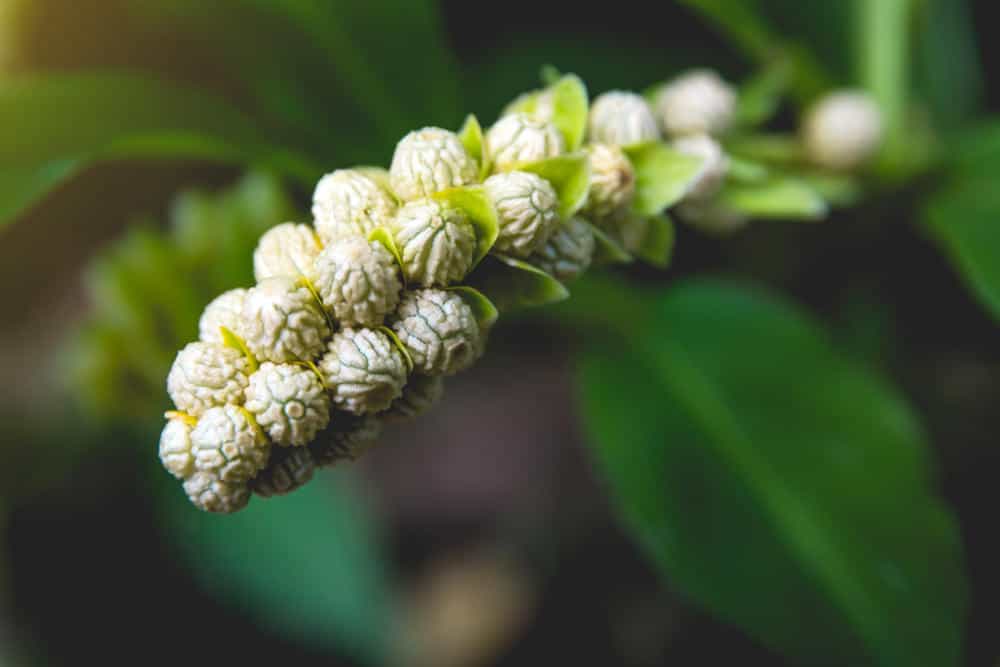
[206,375]
[569,252]
[711,217]
[288,470]
[437,242]
[527,211]
[621,118]
[224,311]
[698,102]
[345,439]
[543,108]
[612,182]
[364,370]
[520,138]
[714,164]
[285,250]
[357,281]
[227,444]
[350,202]
[439,330]
[210,494]
[843,130]
[428,161]
[289,403]
[281,321]
[421,393]
[175,448]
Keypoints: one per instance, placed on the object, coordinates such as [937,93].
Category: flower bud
[711,217]
[542,107]
[227,444]
[210,494]
[520,138]
[439,331]
[357,281]
[224,311]
[281,321]
[437,242]
[714,165]
[621,118]
[285,250]
[175,448]
[345,439]
[612,182]
[843,130]
[350,202]
[206,375]
[698,102]
[527,211]
[428,161]
[569,252]
[420,394]
[288,470]
[289,403]
[364,370]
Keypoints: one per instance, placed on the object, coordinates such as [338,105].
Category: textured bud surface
[224,311]
[612,182]
[698,102]
[205,375]
[527,211]
[569,252]
[345,439]
[621,118]
[287,470]
[437,242]
[286,250]
[289,403]
[228,445]
[364,370]
[428,161]
[282,322]
[349,202]
[175,448]
[357,281]
[843,130]
[520,138]
[439,330]
[421,393]
[714,165]
[209,493]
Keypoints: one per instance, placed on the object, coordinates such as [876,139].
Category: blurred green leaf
[655,245]
[607,250]
[778,198]
[775,482]
[570,106]
[306,566]
[569,175]
[486,313]
[473,200]
[760,97]
[471,135]
[662,176]
[511,284]
[947,67]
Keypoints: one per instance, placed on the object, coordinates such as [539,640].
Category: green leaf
[484,310]
[662,176]
[760,97]
[569,175]
[656,244]
[746,171]
[512,283]
[836,189]
[230,339]
[782,149]
[471,136]
[775,482]
[778,199]
[407,357]
[305,566]
[570,107]
[384,236]
[472,199]
[607,250]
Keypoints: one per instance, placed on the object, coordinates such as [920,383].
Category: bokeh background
[483,533]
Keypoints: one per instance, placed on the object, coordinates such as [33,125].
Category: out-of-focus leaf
[607,250]
[486,313]
[778,199]
[760,97]
[512,283]
[569,175]
[767,148]
[662,176]
[775,482]
[53,125]
[948,71]
[746,171]
[835,188]
[570,105]
[656,245]
[471,136]
[306,566]
[473,200]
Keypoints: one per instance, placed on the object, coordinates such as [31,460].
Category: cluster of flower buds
[355,319]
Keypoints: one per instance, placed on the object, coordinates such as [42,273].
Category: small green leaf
[777,199]
[512,283]
[607,250]
[782,149]
[399,346]
[549,75]
[745,171]
[484,310]
[570,107]
[836,189]
[760,97]
[662,176]
[569,175]
[656,245]
[471,136]
[472,199]
[231,340]
[384,236]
